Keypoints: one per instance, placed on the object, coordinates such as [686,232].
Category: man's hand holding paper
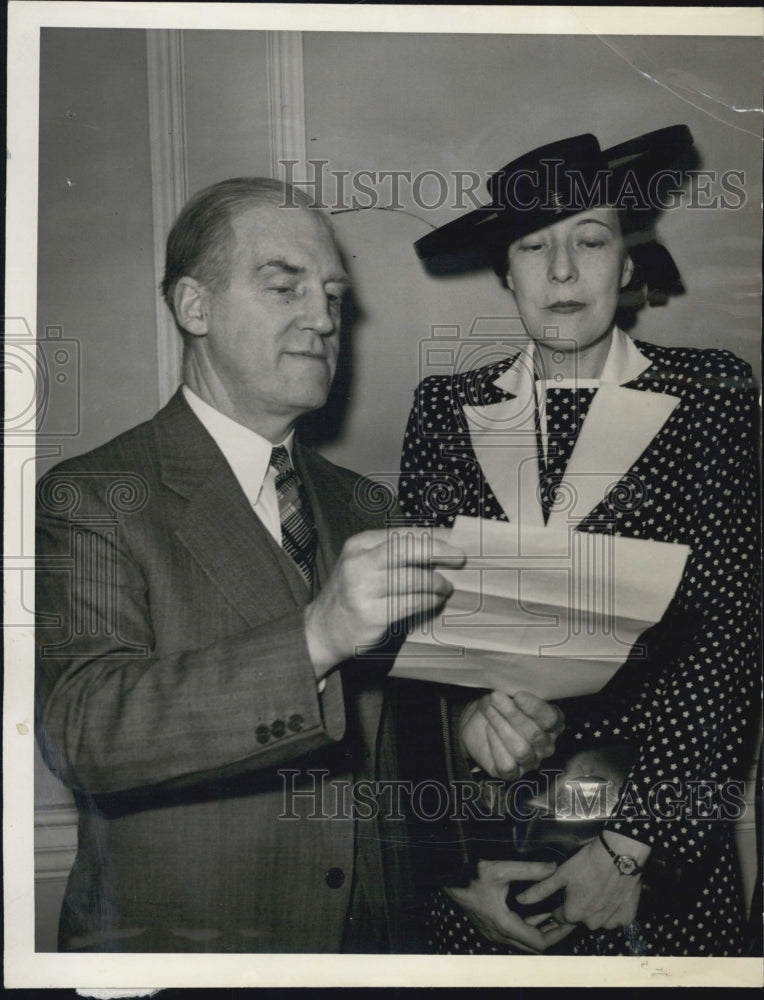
[553,612]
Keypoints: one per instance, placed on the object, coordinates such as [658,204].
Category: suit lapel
[221,531]
[336,520]
[503,436]
[218,526]
[329,508]
[619,426]
[504,440]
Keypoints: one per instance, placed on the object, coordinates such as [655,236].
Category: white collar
[624,362]
[246,451]
[620,424]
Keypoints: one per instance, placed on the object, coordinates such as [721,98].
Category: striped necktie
[298,530]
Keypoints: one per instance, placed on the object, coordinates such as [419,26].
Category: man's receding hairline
[315,213]
[204,240]
[256,201]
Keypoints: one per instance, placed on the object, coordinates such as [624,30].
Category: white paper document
[555,612]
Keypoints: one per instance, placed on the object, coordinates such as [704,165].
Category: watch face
[627,865]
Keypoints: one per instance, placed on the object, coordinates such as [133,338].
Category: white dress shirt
[249,456]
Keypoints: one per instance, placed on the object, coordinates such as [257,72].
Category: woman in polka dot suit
[566,248]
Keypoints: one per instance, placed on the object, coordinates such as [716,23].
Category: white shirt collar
[624,362]
[247,452]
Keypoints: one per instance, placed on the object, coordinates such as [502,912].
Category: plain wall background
[373,102]
[226,105]
[95,250]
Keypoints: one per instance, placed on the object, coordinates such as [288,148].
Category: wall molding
[55,842]
[286,99]
[169,154]
[169,179]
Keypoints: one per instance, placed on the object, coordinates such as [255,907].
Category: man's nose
[562,264]
[317,313]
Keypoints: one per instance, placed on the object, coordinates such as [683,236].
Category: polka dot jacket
[689,702]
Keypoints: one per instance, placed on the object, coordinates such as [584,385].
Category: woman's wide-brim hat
[562,179]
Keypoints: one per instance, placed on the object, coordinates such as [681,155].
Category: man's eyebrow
[282,265]
[339,279]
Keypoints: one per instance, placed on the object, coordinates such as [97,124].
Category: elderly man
[215,603]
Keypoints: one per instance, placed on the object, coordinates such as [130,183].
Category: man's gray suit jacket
[176,697]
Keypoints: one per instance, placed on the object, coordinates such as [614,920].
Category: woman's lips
[566,307]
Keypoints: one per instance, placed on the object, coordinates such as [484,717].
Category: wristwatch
[625,864]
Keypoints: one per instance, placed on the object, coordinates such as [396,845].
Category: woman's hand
[484,901]
[508,736]
[596,894]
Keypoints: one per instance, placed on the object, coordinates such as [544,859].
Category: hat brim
[491,225]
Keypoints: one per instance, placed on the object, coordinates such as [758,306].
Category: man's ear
[510,281]
[191,306]
[627,271]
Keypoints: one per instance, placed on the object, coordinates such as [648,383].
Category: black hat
[561,179]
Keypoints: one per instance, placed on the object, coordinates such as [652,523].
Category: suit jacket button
[296,723]
[334,878]
[262,734]
[278,729]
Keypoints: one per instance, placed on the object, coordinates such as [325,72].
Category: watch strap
[625,864]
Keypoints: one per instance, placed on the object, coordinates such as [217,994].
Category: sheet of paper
[555,612]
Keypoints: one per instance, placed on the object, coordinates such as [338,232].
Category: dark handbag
[571,811]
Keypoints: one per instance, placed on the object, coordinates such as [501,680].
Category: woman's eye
[282,289]
[592,240]
[530,247]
